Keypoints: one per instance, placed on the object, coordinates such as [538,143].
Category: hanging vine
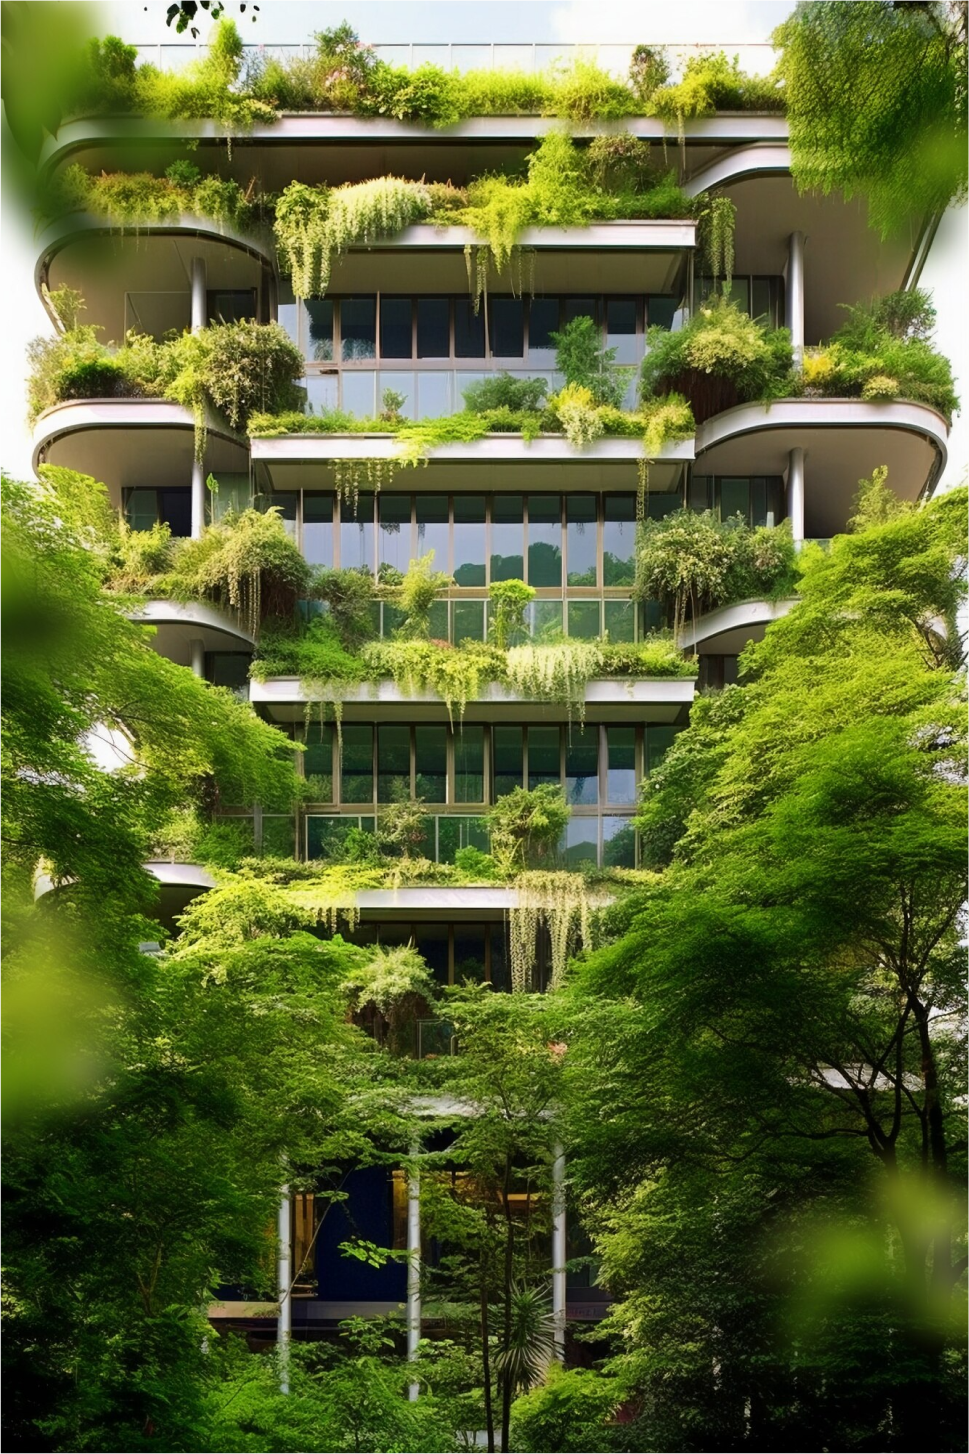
[718,227]
[352,475]
[555,673]
[315,224]
[559,902]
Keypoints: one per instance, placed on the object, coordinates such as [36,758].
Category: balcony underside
[179,623]
[726,631]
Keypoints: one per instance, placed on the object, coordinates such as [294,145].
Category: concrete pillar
[199,310]
[197,649]
[413,1270]
[284,1278]
[198,498]
[559,1253]
[795,294]
[795,494]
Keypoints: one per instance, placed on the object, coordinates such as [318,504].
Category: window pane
[469,330]
[580,308]
[357,533]
[582,841]
[287,311]
[357,766]
[395,328]
[432,946]
[507,328]
[658,506]
[326,837]
[394,542]
[507,759]
[318,763]
[433,328]
[618,843]
[584,619]
[734,498]
[432,528]
[543,756]
[393,763]
[758,502]
[661,310]
[141,509]
[319,329]
[278,837]
[499,956]
[400,382]
[619,540]
[620,620]
[286,502]
[581,541]
[700,492]
[469,953]
[740,293]
[621,770]
[507,538]
[468,621]
[544,540]
[455,833]
[318,529]
[469,540]
[763,302]
[175,508]
[469,764]
[433,395]
[358,328]
[543,320]
[621,329]
[545,618]
[231,305]
[357,393]
[658,742]
[582,765]
[430,762]
[322,392]
[437,621]
[229,669]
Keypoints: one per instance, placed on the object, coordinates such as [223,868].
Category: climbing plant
[559,902]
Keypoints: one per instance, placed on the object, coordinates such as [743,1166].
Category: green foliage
[397,983]
[350,598]
[418,591]
[504,391]
[315,224]
[526,825]
[558,672]
[246,563]
[586,364]
[712,83]
[569,1411]
[457,676]
[316,655]
[402,828]
[133,198]
[720,357]
[582,91]
[648,70]
[509,601]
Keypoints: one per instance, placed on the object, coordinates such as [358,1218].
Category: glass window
[433,394]
[621,329]
[287,311]
[396,340]
[659,505]
[318,762]
[581,540]
[701,493]
[618,843]
[659,740]
[394,540]
[430,763]
[393,762]
[506,747]
[544,765]
[543,321]
[322,391]
[469,330]
[582,841]
[620,620]
[582,765]
[278,837]
[469,952]
[734,498]
[507,538]
[469,540]
[758,502]
[499,956]
[357,392]
[432,528]
[286,502]
[358,328]
[319,329]
[619,540]
[621,765]
[469,617]
[580,308]
[141,509]
[400,382]
[433,328]
[234,493]
[318,529]
[661,310]
[433,947]
[175,508]
[454,833]
[231,305]
[356,533]
[229,669]
[469,764]
[437,621]
[507,328]
[584,619]
[357,764]
[545,619]
[763,300]
[545,540]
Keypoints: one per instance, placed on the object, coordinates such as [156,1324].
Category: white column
[197,649]
[198,498]
[413,1269]
[284,1277]
[795,494]
[199,310]
[795,294]
[559,1253]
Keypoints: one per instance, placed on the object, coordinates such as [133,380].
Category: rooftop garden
[344,76]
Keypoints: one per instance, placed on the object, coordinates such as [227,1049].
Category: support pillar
[795,295]
[197,649]
[198,499]
[559,1252]
[795,495]
[413,1269]
[284,1278]
[199,310]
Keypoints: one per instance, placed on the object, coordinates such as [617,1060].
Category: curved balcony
[183,628]
[843,441]
[728,629]
[141,276]
[133,443]
[178,885]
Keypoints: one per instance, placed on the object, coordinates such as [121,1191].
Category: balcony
[185,631]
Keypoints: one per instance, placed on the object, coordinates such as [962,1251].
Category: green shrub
[582,91]
[712,83]
[504,391]
[648,70]
[525,826]
[245,563]
[509,600]
[417,593]
[579,355]
[657,656]
[471,863]
[568,1413]
[719,358]
[350,596]
[315,655]
[426,94]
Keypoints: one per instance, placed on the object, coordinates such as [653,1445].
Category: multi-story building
[399,316]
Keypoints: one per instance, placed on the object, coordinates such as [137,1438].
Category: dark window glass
[231,305]
[581,540]
[730,670]
[396,339]
[545,540]
[278,837]
[319,327]
[582,765]
[763,300]
[658,505]
[499,956]
[507,328]
[326,837]
[469,540]
[432,528]
[620,316]
[543,321]
[175,507]
[543,756]
[580,308]
[658,742]
[432,946]
[734,498]
[141,509]
[437,621]
[618,843]
[469,953]
[620,620]
[621,769]
[507,538]
[356,533]
[454,833]
[469,617]
[619,540]
[357,764]
[661,310]
[393,763]
[286,502]
[358,328]
[507,755]
[584,619]
[469,764]
[758,502]
[430,763]
[700,495]
[394,540]
[229,669]
[582,841]
[318,529]
[433,328]
[318,762]
[469,330]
